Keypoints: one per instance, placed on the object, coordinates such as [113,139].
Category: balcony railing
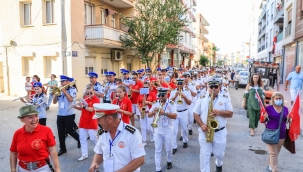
[280,37]
[263,47]
[288,30]
[263,28]
[102,32]
[279,13]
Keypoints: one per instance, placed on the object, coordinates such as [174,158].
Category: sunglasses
[161,95]
[145,87]
[89,93]
[179,83]
[213,86]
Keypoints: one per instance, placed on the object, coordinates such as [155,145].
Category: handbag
[272,136]
[288,144]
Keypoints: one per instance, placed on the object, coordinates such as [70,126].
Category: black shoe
[169,165]
[47,108]
[88,138]
[195,121]
[184,145]
[159,171]
[61,152]
[190,132]
[181,138]
[174,151]
[212,154]
[218,169]
[79,145]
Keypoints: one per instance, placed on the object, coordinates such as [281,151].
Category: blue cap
[37,84]
[63,78]
[92,74]
[148,70]
[140,71]
[71,79]
[159,69]
[125,72]
[122,70]
[110,73]
[180,69]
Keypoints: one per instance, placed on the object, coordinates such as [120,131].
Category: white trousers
[145,126]
[182,118]
[41,169]
[191,116]
[83,133]
[167,138]
[218,149]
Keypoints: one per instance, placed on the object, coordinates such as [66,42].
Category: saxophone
[212,124]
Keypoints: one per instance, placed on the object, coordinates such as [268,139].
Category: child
[28,85]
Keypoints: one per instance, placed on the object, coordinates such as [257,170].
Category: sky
[229,22]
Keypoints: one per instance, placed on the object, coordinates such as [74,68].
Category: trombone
[57,90]
[179,102]
[157,117]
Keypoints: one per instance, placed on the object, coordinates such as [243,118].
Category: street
[244,153]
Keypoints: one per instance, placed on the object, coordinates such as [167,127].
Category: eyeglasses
[213,86]
[89,93]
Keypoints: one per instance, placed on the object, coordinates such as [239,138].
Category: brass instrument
[57,90]
[143,109]
[103,83]
[212,123]
[157,84]
[157,117]
[179,102]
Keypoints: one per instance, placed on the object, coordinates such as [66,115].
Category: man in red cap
[120,145]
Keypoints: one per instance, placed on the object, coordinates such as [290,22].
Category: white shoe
[144,144]
[269,167]
[82,158]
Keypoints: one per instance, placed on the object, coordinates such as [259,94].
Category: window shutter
[289,15]
[89,62]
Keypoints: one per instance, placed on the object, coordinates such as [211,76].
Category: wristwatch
[84,107]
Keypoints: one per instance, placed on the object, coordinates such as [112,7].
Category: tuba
[212,123]
[143,109]
[179,102]
[157,117]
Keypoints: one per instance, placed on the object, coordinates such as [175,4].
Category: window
[104,65]
[103,17]
[289,16]
[89,64]
[49,10]
[26,14]
[25,66]
[113,20]
[301,8]
[88,14]
[185,37]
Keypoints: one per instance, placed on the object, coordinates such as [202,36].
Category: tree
[157,23]
[220,62]
[203,60]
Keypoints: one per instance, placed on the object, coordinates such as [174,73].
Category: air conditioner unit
[117,55]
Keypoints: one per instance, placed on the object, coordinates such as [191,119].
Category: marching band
[161,102]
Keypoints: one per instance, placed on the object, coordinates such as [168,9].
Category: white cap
[102,109]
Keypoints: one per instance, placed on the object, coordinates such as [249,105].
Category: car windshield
[244,73]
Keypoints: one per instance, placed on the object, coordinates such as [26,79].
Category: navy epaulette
[101,131]
[130,129]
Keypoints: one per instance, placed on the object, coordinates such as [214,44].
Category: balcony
[204,39]
[259,49]
[120,3]
[263,47]
[103,36]
[288,30]
[204,30]
[279,14]
[280,37]
[262,32]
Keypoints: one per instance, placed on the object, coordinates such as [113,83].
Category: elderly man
[119,147]
[296,78]
[222,109]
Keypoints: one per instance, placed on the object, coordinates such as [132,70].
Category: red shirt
[32,92]
[126,105]
[151,98]
[164,84]
[33,146]
[86,120]
[135,95]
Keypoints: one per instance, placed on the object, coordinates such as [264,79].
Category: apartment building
[183,53]
[73,38]
[299,31]
[254,29]
[202,41]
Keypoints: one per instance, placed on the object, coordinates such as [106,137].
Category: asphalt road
[243,152]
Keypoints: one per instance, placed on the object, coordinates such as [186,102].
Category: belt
[32,165]
[181,110]
[216,130]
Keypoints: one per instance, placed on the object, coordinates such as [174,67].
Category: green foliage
[157,23]
[220,62]
[215,48]
[204,60]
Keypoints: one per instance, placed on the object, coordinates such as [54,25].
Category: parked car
[244,78]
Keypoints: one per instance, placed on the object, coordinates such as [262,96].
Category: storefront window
[300,54]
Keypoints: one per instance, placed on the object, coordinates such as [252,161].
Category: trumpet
[57,90]
[179,102]
[157,84]
[143,109]
[130,92]
[157,117]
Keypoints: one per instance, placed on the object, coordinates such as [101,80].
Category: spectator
[28,85]
[51,84]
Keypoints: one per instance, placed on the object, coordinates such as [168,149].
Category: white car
[244,78]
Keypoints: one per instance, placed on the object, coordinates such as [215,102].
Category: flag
[294,129]
[262,109]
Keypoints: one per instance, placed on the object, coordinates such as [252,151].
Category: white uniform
[126,146]
[193,88]
[221,102]
[109,91]
[182,116]
[164,132]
